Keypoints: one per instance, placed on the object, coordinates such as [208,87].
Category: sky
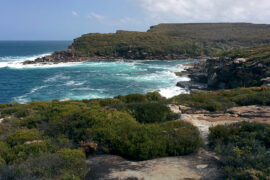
[68,19]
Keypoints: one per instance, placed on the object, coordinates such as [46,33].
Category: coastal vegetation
[173,40]
[224,99]
[163,41]
[244,149]
[51,140]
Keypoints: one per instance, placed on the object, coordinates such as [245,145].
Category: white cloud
[96,16]
[207,10]
[74,13]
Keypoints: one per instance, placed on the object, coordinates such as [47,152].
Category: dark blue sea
[86,80]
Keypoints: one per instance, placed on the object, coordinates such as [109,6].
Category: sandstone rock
[240,60]
[251,112]
[88,147]
[33,142]
[266,80]
[175,108]
[202,166]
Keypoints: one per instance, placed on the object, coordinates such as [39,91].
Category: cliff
[236,68]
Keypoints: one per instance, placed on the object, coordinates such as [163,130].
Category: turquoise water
[87,80]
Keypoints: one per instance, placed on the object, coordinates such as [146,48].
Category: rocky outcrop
[70,56]
[201,165]
[232,73]
[197,72]
[226,73]
[58,57]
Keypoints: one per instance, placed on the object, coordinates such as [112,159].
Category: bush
[66,164]
[224,99]
[181,138]
[244,149]
[4,152]
[154,96]
[151,112]
[21,136]
[22,152]
[44,151]
[119,133]
[73,161]
[132,98]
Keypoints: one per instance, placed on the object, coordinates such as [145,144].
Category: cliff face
[237,68]
[164,41]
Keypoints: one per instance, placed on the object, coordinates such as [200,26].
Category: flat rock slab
[201,165]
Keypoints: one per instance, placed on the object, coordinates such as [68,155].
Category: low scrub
[151,112]
[244,149]
[41,140]
[224,99]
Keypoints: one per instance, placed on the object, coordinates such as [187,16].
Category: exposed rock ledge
[215,73]
[202,165]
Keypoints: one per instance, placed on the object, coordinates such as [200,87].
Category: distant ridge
[241,32]
[165,41]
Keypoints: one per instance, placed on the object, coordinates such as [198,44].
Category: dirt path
[203,125]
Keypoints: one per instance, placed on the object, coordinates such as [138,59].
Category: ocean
[77,81]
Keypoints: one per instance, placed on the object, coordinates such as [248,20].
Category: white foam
[24,99]
[36,89]
[23,58]
[73,83]
[157,76]
[183,78]
[172,91]
[89,96]
[57,77]
[20,65]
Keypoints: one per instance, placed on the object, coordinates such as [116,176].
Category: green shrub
[132,98]
[44,150]
[66,164]
[5,151]
[119,133]
[224,99]
[151,112]
[181,138]
[2,161]
[154,96]
[21,136]
[244,149]
[104,102]
[74,161]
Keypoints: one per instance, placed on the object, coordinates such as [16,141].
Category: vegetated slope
[163,42]
[136,45]
[173,41]
[238,33]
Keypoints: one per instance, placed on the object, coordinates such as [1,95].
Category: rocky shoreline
[215,73]
[67,56]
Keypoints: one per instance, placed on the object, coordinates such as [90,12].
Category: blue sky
[68,19]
